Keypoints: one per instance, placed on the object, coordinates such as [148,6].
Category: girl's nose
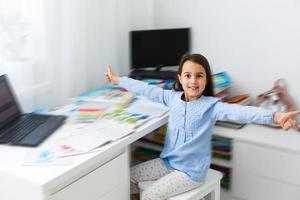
[193,79]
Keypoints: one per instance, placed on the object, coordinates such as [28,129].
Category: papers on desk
[75,139]
[91,125]
[93,136]
[48,156]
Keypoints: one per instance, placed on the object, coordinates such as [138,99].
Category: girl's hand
[110,76]
[287,120]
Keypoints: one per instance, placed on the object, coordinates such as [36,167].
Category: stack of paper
[110,94]
[88,112]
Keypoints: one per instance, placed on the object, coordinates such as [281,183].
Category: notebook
[26,129]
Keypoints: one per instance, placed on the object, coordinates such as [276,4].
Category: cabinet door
[99,182]
[262,173]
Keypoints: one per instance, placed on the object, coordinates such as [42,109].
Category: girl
[193,111]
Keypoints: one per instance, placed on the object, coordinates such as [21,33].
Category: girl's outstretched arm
[287,120]
[252,114]
[110,76]
[137,87]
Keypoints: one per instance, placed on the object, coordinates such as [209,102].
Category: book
[230,124]
[222,92]
[109,94]
[243,99]
[221,79]
[222,84]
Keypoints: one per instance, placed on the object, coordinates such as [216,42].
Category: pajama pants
[167,182]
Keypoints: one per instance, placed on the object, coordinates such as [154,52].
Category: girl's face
[193,80]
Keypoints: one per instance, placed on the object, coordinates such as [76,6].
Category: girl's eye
[188,76]
[199,76]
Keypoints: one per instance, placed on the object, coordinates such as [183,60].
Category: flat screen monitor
[158,48]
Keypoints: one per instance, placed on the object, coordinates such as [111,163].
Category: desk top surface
[12,158]
[263,135]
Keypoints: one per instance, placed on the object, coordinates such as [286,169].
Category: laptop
[17,128]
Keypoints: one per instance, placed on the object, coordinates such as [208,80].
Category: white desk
[99,175]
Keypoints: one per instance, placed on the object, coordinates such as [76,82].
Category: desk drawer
[267,162]
[97,182]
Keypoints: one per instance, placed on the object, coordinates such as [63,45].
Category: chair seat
[212,183]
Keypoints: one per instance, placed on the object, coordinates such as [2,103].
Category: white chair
[211,188]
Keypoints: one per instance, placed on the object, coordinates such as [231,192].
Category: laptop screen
[9,109]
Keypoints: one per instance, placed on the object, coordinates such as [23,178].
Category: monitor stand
[153,74]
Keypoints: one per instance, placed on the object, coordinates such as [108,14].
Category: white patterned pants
[167,182]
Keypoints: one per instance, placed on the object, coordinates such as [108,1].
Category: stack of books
[222,150]
[226,180]
[142,154]
[222,83]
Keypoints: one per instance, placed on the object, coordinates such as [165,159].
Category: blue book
[221,79]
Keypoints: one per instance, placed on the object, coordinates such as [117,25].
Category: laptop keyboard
[20,130]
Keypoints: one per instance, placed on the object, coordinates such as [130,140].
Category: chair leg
[215,194]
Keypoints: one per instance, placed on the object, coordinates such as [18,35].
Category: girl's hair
[201,60]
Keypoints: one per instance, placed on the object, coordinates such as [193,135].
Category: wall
[131,15]
[256,42]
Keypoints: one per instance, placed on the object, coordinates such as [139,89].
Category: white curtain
[53,50]
[22,46]
[43,50]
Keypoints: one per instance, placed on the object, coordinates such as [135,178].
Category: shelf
[222,162]
[148,145]
[221,158]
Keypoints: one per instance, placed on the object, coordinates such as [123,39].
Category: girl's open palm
[110,76]
[288,120]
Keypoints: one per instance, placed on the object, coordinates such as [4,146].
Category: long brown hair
[201,60]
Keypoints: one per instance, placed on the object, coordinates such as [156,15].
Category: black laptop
[17,128]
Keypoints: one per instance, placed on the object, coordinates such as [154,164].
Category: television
[158,48]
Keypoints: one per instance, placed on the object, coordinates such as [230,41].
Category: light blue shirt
[188,140]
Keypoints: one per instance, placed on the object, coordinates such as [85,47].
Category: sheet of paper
[147,107]
[46,156]
[93,136]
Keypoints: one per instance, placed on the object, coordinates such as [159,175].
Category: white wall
[131,15]
[256,42]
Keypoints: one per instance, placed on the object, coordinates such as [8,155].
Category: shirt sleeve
[152,92]
[242,114]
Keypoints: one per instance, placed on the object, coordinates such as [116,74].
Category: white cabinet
[265,164]
[106,182]
[263,173]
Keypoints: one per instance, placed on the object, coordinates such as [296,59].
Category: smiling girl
[193,111]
